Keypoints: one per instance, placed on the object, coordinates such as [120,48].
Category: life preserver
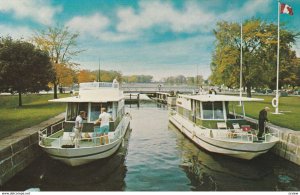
[274,102]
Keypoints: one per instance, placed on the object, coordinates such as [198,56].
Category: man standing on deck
[261,121]
[104,119]
[78,128]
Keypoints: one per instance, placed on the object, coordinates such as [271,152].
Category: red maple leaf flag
[286,9]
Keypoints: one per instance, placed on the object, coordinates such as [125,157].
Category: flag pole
[241,64]
[278,47]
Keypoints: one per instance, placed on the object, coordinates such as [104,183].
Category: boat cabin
[209,110]
[91,98]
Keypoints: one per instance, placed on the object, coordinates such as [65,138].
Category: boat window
[212,110]
[72,111]
[83,107]
[207,110]
[95,111]
[218,110]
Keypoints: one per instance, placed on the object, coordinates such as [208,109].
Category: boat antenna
[99,71]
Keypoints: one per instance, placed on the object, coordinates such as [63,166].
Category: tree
[61,46]
[65,76]
[23,68]
[259,54]
[108,76]
[86,76]
[138,78]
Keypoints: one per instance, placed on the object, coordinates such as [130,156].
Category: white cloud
[93,24]
[249,9]
[97,25]
[37,10]
[191,18]
[15,32]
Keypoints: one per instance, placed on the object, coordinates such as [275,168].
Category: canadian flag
[286,9]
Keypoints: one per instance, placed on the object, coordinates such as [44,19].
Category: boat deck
[67,140]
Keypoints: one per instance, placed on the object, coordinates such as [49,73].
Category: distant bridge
[151,88]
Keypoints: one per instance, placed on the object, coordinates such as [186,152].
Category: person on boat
[78,127]
[212,91]
[104,119]
[263,117]
[115,83]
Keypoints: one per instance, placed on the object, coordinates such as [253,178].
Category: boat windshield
[212,110]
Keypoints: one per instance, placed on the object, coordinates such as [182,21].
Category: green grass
[289,105]
[35,110]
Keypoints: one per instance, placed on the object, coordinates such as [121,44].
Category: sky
[161,38]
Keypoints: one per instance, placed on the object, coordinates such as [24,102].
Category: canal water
[157,157]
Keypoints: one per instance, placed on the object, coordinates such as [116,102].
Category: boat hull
[80,156]
[87,154]
[238,149]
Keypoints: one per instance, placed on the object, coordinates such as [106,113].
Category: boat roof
[91,99]
[95,92]
[217,98]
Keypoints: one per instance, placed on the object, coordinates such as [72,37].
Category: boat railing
[55,134]
[89,85]
[46,139]
[229,134]
[232,135]
[44,134]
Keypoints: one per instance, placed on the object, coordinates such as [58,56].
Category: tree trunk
[20,98]
[248,90]
[55,90]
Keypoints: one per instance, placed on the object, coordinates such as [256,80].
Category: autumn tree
[61,45]
[86,76]
[65,75]
[259,48]
[23,68]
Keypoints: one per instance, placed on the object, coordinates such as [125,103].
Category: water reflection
[214,172]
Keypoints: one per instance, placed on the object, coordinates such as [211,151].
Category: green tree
[61,45]
[259,54]
[23,68]
[107,76]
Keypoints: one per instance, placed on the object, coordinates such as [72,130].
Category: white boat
[212,122]
[58,141]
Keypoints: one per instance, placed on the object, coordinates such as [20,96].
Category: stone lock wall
[21,148]
[289,146]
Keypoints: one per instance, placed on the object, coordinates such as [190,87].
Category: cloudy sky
[157,37]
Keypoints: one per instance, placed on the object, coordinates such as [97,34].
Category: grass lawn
[290,107]
[35,110]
